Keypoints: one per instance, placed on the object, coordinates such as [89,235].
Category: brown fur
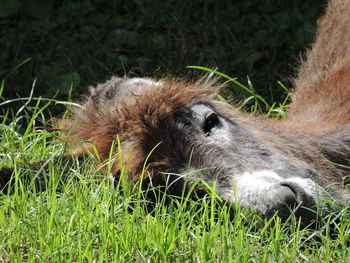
[136,124]
[293,158]
[322,87]
[320,104]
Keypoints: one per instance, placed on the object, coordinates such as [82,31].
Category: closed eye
[211,121]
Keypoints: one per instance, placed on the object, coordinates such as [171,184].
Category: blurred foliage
[66,44]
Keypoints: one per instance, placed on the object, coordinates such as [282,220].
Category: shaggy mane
[94,128]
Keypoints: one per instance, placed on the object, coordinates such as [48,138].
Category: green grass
[89,219]
[69,44]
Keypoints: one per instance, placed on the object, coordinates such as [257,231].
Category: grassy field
[89,218]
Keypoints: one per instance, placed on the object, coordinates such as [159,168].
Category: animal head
[185,135]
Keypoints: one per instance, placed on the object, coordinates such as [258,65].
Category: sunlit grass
[90,218]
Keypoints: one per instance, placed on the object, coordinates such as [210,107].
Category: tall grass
[90,218]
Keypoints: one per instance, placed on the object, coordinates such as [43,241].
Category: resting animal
[267,165]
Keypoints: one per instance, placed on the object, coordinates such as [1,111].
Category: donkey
[185,135]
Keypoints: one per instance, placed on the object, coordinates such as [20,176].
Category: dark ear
[5,176]
[42,176]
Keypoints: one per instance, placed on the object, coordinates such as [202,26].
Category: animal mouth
[268,193]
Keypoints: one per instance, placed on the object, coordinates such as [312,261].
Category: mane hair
[95,127]
[322,87]
[158,130]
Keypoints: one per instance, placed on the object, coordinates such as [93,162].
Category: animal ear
[5,176]
[118,90]
[101,107]
[42,171]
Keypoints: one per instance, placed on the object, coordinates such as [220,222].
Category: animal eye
[210,122]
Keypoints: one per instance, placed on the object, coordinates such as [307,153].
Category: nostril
[295,199]
[284,198]
[288,194]
[297,190]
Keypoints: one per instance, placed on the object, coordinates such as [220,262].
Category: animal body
[186,135]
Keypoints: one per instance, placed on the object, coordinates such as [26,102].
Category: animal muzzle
[268,193]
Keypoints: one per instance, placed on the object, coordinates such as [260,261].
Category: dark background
[60,42]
